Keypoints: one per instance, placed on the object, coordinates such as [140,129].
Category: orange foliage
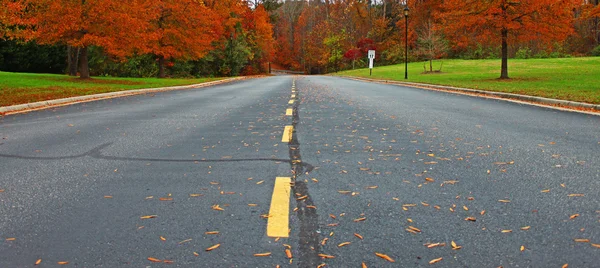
[470,21]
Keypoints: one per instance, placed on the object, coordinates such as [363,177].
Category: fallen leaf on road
[435,260]
[288,253]
[325,256]
[148,217]
[262,254]
[573,216]
[363,265]
[196,254]
[465,208]
[414,229]
[506,231]
[429,179]
[195,195]
[566,265]
[63,262]
[344,192]
[154,259]
[344,244]
[470,219]
[108,196]
[359,236]
[260,182]
[168,261]
[11,239]
[213,247]
[217,207]
[582,240]
[522,248]
[360,219]
[38,261]
[212,232]
[576,195]
[184,241]
[162,238]
[525,228]
[504,201]
[372,187]
[546,191]
[166,199]
[455,246]
[385,257]
[596,245]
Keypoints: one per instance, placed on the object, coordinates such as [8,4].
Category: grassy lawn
[575,79]
[18,88]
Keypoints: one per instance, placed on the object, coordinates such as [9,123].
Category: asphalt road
[377,171]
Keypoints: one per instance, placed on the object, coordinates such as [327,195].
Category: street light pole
[406,41]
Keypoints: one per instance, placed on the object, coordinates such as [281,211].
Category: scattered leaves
[325,256]
[265,254]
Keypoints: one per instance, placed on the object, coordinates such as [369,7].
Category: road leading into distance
[300,171]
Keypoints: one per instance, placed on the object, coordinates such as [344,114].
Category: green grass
[575,79]
[18,88]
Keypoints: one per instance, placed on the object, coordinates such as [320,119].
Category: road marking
[289,111]
[291,102]
[279,214]
[293,96]
[287,134]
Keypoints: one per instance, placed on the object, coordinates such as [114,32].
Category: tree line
[328,35]
[208,37]
[233,37]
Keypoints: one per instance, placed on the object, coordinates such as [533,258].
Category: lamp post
[406,41]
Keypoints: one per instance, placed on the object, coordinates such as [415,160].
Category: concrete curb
[87,98]
[540,100]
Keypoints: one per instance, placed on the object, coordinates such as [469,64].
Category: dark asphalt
[375,160]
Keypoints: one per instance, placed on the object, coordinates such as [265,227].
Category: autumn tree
[80,24]
[504,21]
[177,29]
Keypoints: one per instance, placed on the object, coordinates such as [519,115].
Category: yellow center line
[293,96]
[289,111]
[287,134]
[279,213]
[291,102]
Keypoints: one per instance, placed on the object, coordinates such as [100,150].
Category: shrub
[523,53]
[596,51]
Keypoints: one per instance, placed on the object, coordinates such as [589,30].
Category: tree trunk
[84,68]
[161,67]
[504,72]
[72,60]
[430,65]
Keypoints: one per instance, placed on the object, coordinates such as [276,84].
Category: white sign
[371,58]
[371,54]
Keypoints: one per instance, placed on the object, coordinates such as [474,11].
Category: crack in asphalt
[309,246]
[97,154]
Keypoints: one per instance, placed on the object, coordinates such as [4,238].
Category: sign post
[371,58]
